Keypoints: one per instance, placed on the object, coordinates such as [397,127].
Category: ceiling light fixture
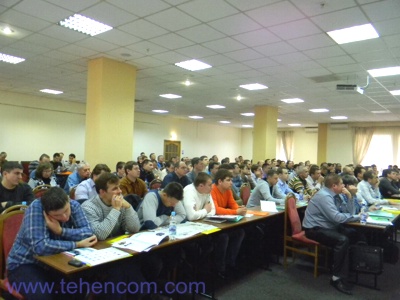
[395,92]
[7,30]
[11,59]
[215,106]
[353,34]
[247,126]
[294,125]
[318,110]
[238,98]
[253,86]
[384,72]
[196,117]
[170,96]
[48,91]
[248,114]
[292,100]
[225,122]
[84,25]
[339,118]
[160,111]
[193,65]
[380,112]
[187,82]
[279,120]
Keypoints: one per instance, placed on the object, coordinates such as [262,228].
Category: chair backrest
[133,200]
[155,184]
[14,208]
[72,192]
[291,214]
[245,191]
[40,190]
[9,227]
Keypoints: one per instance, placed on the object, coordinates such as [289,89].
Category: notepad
[96,257]
[228,218]
[379,213]
[269,206]
[378,221]
[141,241]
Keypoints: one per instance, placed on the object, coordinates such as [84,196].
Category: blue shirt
[34,238]
[86,190]
[284,188]
[72,180]
[172,177]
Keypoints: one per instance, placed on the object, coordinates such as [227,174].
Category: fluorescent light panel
[193,65]
[294,125]
[160,111]
[248,114]
[48,91]
[196,117]
[216,106]
[380,112]
[279,120]
[292,100]
[339,118]
[253,86]
[318,110]
[384,72]
[225,122]
[85,25]
[247,126]
[395,92]
[354,34]
[11,59]
[170,96]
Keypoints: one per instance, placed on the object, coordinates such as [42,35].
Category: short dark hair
[201,178]
[8,166]
[41,167]
[72,155]
[56,154]
[332,179]
[174,190]
[358,169]
[349,180]
[271,173]
[225,160]
[226,167]
[146,161]
[129,165]
[99,168]
[168,164]
[368,175]
[313,169]
[254,168]
[212,164]
[44,155]
[203,157]
[222,174]
[54,198]
[119,165]
[280,170]
[104,179]
[195,161]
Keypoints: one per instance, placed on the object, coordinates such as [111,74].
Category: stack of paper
[92,257]
[141,241]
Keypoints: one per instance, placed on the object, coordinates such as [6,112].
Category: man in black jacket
[387,185]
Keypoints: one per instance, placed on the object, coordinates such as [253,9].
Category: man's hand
[52,224]
[88,242]
[241,210]
[346,192]
[207,207]
[117,201]
[352,189]
[125,204]
[321,179]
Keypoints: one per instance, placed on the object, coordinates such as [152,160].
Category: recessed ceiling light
[11,59]
[187,83]
[292,100]
[318,110]
[48,91]
[225,122]
[279,120]
[294,125]
[248,114]
[384,72]
[193,65]
[160,111]
[395,92]
[170,96]
[339,117]
[238,98]
[85,25]
[195,117]
[253,86]
[215,106]
[7,30]
[247,126]
[353,34]
[380,112]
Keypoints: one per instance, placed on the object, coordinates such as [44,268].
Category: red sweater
[224,203]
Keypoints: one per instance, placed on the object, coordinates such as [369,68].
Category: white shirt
[194,203]
[314,185]
[370,194]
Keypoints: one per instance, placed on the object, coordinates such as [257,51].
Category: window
[380,152]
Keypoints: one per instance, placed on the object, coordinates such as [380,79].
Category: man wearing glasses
[178,176]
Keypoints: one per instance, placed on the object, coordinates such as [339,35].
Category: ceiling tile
[171,57]
[108,14]
[260,63]
[236,24]
[312,42]
[295,29]
[244,55]
[201,33]
[75,5]
[43,10]
[382,10]
[78,50]
[143,29]
[13,17]
[222,45]
[118,37]
[141,8]
[218,60]
[64,34]
[196,51]
[172,19]
[324,52]
[341,19]
[171,41]
[256,38]
[317,7]
[274,49]
[147,48]
[96,45]
[334,61]
[40,39]
[247,5]
[208,10]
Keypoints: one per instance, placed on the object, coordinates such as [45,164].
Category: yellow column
[322,142]
[265,132]
[110,109]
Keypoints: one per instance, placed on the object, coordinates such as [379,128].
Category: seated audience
[282,181]
[12,190]
[120,169]
[146,171]
[256,173]
[387,184]
[359,173]
[3,159]
[213,168]
[314,179]
[179,175]
[168,168]
[161,162]
[198,166]
[236,178]
[323,221]
[299,183]
[56,162]
[82,173]
[34,164]
[157,206]
[43,175]
[51,225]
[206,162]
[245,174]
[131,183]
[87,189]
[267,190]
[368,189]
[71,164]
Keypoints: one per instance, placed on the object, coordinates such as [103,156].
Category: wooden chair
[10,223]
[245,191]
[14,208]
[155,184]
[295,239]
[72,192]
[40,190]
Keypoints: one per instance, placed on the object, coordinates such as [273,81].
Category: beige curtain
[395,145]
[361,140]
[287,141]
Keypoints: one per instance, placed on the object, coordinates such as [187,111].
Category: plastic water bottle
[301,195]
[363,215]
[172,227]
[23,203]
[58,170]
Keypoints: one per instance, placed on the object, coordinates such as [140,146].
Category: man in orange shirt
[227,245]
